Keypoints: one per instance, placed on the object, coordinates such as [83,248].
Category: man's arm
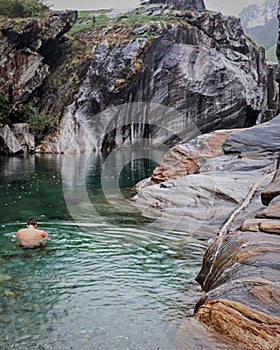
[45,235]
[17,235]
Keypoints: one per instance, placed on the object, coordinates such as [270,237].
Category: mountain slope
[261,24]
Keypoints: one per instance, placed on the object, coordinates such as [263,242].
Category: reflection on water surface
[106,284]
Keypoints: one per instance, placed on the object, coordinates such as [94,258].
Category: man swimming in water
[31,237]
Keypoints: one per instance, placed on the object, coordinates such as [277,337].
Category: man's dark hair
[32,222]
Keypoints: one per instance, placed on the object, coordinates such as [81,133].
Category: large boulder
[240,272]
[199,63]
[188,158]
[8,143]
[24,137]
[16,139]
[240,276]
[212,176]
[199,204]
[260,138]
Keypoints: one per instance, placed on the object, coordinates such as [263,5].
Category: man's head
[31,222]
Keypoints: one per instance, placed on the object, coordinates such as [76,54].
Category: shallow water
[107,282]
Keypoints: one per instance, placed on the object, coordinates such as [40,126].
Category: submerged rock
[4,278]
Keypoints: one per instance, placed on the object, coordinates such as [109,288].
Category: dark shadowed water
[107,283]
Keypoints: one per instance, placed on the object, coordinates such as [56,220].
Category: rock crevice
[22,54]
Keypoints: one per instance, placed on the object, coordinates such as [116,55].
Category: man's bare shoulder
[21,231]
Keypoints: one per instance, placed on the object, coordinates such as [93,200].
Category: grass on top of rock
[88,20]
[96,19]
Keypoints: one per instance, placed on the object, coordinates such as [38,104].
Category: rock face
[272,93]
[251,144]
[199,63]
[278,45]
[273,190]
[188,158]
[26,51]
[29,49]
[199,204]
[16,140]
[8,143]
[240,272]
[240,275]
[197,5]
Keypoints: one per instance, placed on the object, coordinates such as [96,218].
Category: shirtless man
[31,237]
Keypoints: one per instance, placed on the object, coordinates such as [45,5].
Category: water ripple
[117,283]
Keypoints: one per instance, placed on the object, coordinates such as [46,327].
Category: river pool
[105,281]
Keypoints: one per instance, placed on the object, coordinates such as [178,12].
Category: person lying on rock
[31,237]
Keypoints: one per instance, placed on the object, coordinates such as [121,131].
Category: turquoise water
[105,282]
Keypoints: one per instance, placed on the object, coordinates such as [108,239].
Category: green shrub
[28,113]
[5,108]
[79,27]
[37,121]
[22,8]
